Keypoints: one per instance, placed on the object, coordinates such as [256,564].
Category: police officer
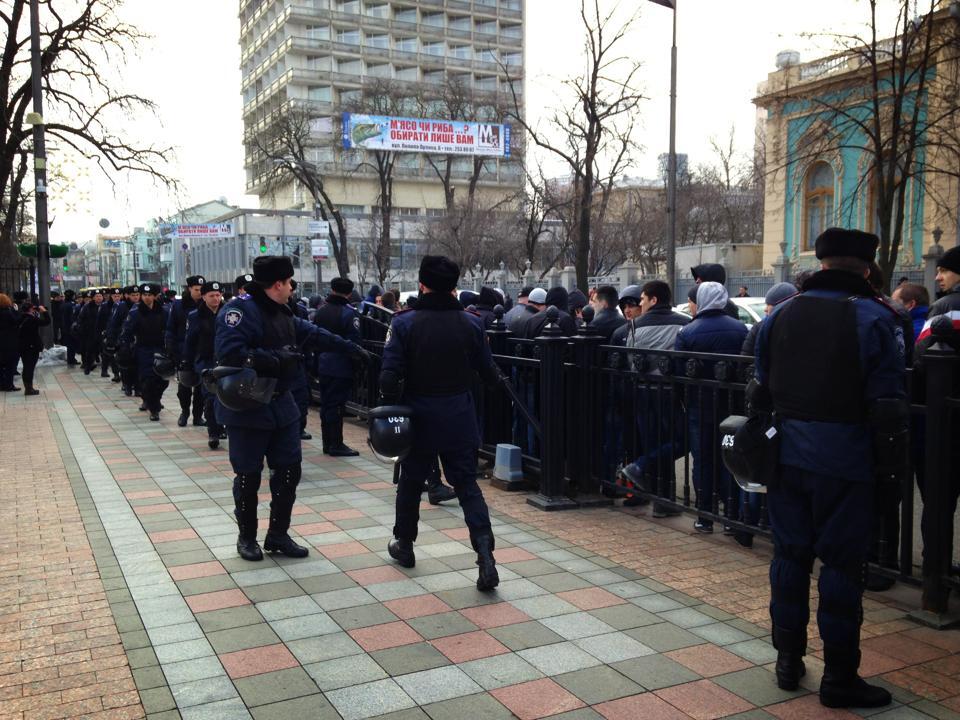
[830,363]
[258,330]
[143,330]
[126,365]
[198,350]
[175,336]
[430,359]
[334,371]
[240,284]
[111,300]
[66,322]
[89,338]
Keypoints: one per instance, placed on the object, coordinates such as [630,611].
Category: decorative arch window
[817,202]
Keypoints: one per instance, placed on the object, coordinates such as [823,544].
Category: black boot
[437,492]
[248,548]
[284,545]
[402,552]
[182,420]
[155,417]
[245,487]
[213,443]
[791,647]
[199,421]
[336,447]
[488,578]
[842,687]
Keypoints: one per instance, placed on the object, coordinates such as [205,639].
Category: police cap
[195,280]
[131,289]
[341,285]
[150,288]
[269,269]
[840,242]
[439,273]
[242,280]
[209,287]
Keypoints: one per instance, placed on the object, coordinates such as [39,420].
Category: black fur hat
[269,269]
[840,242]
[439,273]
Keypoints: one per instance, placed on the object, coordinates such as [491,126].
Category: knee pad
[284,481]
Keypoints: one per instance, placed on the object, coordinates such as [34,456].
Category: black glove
[359,353]
[266,364]
[288,361]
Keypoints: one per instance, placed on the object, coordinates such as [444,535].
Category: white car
[750,309]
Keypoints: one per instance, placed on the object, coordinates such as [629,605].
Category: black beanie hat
[950,260]
[558,297]
[341,285]
[210,287]
[269,269]
[439,273]
[840,242]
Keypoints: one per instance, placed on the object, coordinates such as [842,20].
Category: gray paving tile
[200,692]
[500,671]
[175,633]
[223,710]
[370,699]
[756,651]
[560,582]
[326,647]
[444,581]
[655,671]
[243,638]
[394,590]
[597,685]
[686,617]
[229,618]
[297,628]
[362,616]
[544,606]
[757,685]
[409,658]
[314,707]
[196,669]
[327,582]
[518,589]
[466,597]
[338,599]
[186,650]
[656,603]
[273,591]
[275,686]
[664,637]
[613,647]
[287,608]
[720,634]
[625,617]
[576,625]
[521,636]
[559,658]
[629,589]
[431,627]
[438,684]
[475,707]
[345,671]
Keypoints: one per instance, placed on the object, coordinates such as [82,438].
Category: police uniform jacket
[337,317]
[176,331]
[437,351]
[104,313]
[66,320]
[144,329]
[255,327]
[822,404]
[88,322]
[120,312]
[198,342]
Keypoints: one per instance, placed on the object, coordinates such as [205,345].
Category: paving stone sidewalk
[600,613]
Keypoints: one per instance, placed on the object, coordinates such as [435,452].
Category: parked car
[750,309]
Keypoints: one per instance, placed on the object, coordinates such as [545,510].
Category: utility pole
[40,168]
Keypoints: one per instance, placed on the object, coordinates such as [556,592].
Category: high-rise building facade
[324,57]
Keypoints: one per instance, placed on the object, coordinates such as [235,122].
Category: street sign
[318,227]
[320,248]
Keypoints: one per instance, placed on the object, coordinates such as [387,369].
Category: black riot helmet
[241,389]
[391,432]
[164,366]
[749,448]
[188,377]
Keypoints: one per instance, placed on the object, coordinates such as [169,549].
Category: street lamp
[672,162]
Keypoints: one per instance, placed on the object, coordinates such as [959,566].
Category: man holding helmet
[174,338]
[430,359]
[198,353]
[125,362]
[257,343]
[143,331]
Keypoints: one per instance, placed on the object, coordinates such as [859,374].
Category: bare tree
[78,39]
[894,104]
[595,129]
[281,159]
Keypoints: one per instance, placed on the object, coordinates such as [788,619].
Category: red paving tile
[143,494]
[537,699]
[378,485]
[163,536]
[495,615]
[910,650]
[342,514]
[948,640]
[374,575]
[300,510]
[350,473]
[807,707]
[458,534]
[469,646]
[218,600]
[339,550]
[704,700]
[417,606]
[874,663]
[512,554]
[196,570]
[316,528]
[388,635]
[708,660]
[257,661]
[646,706]
[591,598]
[154,509]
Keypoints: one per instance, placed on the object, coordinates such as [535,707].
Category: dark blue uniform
[103,319]
[198,353]
[255,330]
[66,322]
[334,371]
[436,350]
[143,330]
[128,375]
[176,333]
[826,355]
[89,337]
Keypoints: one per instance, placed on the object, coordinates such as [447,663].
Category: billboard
[197,231]
[443,137]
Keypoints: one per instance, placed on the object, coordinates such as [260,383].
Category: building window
[436,212]
[350,67]
[407,16]
[407,211]
[434,76]
[379,11]
[383,70]
[487,28]
[378,41]
[406,44]
[817,202]
[409,74]
[351,209]
[485,82]
[435,19]
[459,22]
[436,48]
[318,32]
[513,59]
[320,94]
[350,37]
[349,6]
[512,31]
[463,52]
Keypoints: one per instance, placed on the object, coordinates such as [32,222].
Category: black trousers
[213,427]
[29,358]
[151,388]
[187,395]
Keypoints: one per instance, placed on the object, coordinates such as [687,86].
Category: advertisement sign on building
[201,231]
[442,137]
[320,248]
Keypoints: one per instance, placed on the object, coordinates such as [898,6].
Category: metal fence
[596,408]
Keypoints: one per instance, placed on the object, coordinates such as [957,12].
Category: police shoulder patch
[232,317]
[356,323]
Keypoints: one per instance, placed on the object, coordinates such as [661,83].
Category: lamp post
[672,161]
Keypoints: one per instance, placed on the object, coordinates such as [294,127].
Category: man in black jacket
[533,325]
[608,318]
[173,343]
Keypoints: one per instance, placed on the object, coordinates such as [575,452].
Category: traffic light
[263,245]
[66,265]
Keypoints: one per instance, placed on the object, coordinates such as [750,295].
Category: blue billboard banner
[440,137]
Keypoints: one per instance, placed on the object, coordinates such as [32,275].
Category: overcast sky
[190,68]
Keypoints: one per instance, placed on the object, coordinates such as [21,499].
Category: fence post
[499,418]
[551,346]
[586,446]
[937,529]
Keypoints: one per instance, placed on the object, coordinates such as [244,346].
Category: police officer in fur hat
[175,336]
[259,331]
[128,370]
[143,330]
[830,362]
[198,351]
[430,359]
